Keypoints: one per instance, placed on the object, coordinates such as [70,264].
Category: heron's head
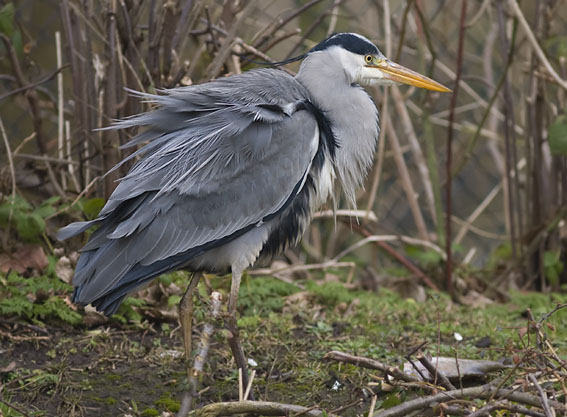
[364,64]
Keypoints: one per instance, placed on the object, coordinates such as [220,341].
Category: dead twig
[391,238]
[31,94]
[544,402]
[282,22]
[488,409]
[532,39]
[403,115]
[215,66]
[407,183]
[372,406]
[297,268]
[249,386]
[34,84]
[435,373]
[483,392]
[400,258]
[368,216]
[16,338]
[82,193]
[347,406]
[200,359]
[12,169]
[13,407]
[370,364]
[551,313]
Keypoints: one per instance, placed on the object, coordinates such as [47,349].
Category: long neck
[353,117]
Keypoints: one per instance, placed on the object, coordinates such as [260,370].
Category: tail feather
[75,228]
[134,278]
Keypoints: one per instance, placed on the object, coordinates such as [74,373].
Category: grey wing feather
[222,156]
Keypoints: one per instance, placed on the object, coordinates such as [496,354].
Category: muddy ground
[134,367]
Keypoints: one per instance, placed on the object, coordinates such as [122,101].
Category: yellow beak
[400,74]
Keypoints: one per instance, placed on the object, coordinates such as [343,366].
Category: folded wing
[221,158]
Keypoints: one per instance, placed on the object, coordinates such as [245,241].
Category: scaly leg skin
[232,326]
[186,318]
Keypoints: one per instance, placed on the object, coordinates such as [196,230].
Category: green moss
[110,401]
[149,412]
[262,295]
[165,401]
[249,322]
[331,293]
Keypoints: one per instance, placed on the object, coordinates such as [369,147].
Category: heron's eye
[368,59]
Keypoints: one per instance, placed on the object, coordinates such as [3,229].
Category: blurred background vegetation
[66,65]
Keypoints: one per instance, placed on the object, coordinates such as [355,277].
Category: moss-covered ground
[59,364]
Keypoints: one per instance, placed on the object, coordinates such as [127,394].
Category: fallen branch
[487,410]
[484,392]
[544,402]
[265,408]
[370,364]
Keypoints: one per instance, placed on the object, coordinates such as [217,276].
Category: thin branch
[400,258]
[285,21]
[390,238]
[33,84]
[544,402]
[215,66]
[409,132]
[488,409]
[468,224]
[13,407]
[532,39]
[477,230]
[56,161]
[407,185]
[483,392]
[483,7]
[10,160]
[31,96]
[435,372]
[60,106]
[297,268]
[448,196]
[384,110]
[347,213]
[82,193]
[368,363]
[13,177]
[334,18]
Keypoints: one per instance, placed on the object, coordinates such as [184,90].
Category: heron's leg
[186,318]
[232,326]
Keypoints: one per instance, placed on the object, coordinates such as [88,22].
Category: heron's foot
[234,342]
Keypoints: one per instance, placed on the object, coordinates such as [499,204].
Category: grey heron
[232,170]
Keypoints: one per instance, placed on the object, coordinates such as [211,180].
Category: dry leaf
[24,258]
